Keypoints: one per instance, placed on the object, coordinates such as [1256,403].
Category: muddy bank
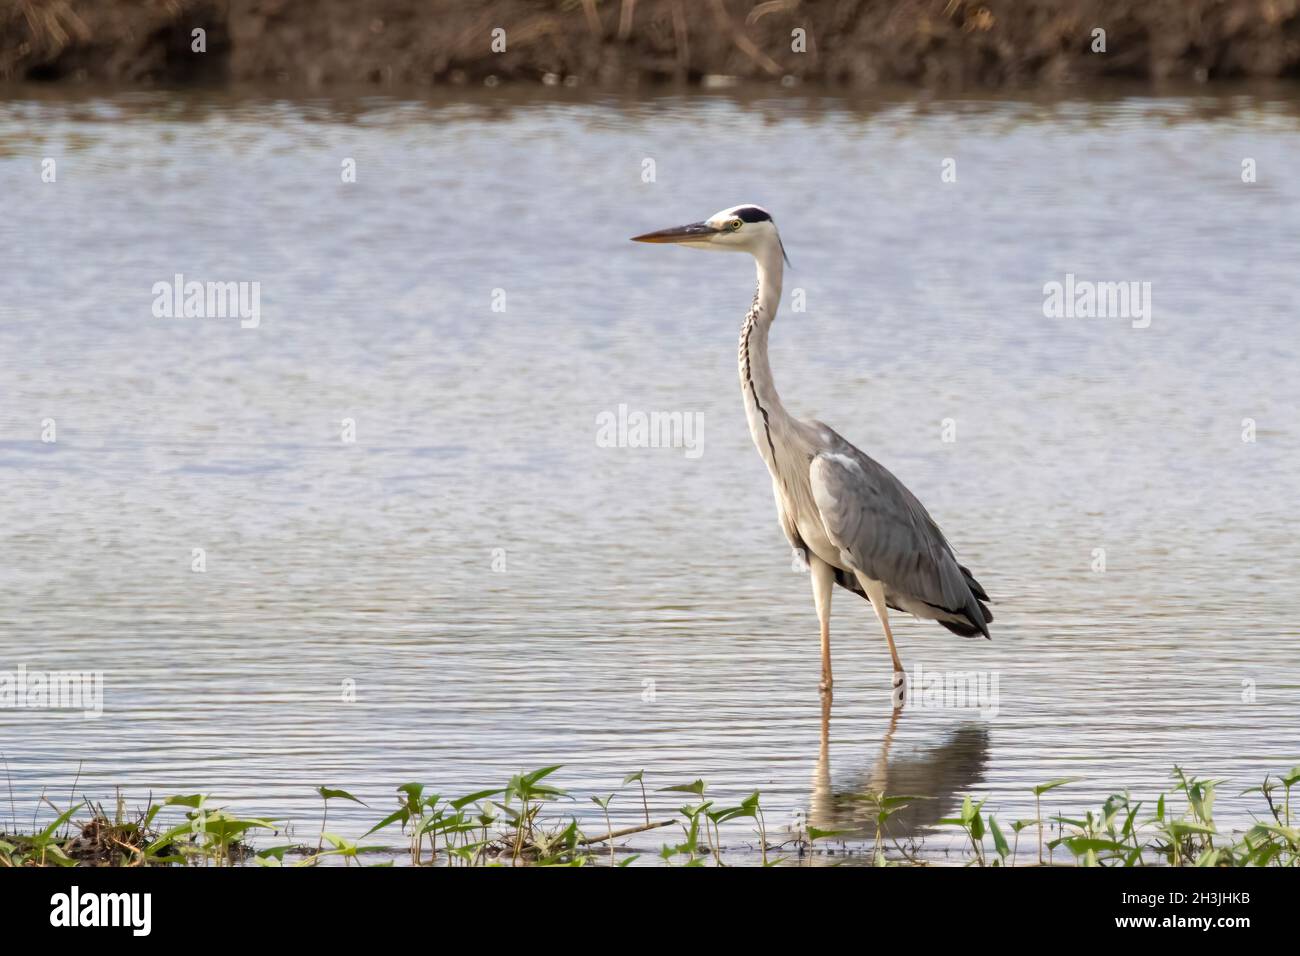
[954,44]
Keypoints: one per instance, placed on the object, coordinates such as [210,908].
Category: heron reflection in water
[939,774]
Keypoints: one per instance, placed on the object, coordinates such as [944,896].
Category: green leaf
[404,814]
[474,798]
[697,788]
[1265,854]
[730,813]
[1179,827]
[1290,834]
[1080,845]
[64,817]
[897,802]
[544,772]
[58,856]
[999,841]
[543,791]
[169,837]
[816,834]
[329,794]
[413,791]
[339,842]
[1042,788]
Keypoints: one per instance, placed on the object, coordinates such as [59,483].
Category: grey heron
[855,523]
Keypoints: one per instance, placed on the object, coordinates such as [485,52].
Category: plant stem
[1038,814]
[588,841]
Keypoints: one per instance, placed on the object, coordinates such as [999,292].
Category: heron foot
[899,694]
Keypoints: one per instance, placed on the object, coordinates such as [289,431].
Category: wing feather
[884,532]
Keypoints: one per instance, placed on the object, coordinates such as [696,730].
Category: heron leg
[823,582]
[876,594]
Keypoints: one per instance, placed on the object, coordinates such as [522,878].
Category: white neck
[767,416]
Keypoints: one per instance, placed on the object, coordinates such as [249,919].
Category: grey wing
[882,531]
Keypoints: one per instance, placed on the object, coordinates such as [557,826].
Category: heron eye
[734,224]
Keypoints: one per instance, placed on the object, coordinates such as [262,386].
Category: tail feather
[970,625]
[976,615]
[974,585]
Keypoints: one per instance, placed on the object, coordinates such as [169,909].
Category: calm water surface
[648,615]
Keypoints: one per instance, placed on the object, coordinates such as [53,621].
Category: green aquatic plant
[690,845]
[885,806]
[327,795]
[604,805]
[531,793]
[210,834]
[1039,790]
[41,848]
[514,825]
[639,777]
[971,822]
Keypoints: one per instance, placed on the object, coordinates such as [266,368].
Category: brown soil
[620,43]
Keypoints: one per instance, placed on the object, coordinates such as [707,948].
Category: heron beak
[695,232]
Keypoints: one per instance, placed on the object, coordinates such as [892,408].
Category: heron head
[745,228]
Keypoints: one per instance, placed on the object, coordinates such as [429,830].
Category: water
[648,615]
